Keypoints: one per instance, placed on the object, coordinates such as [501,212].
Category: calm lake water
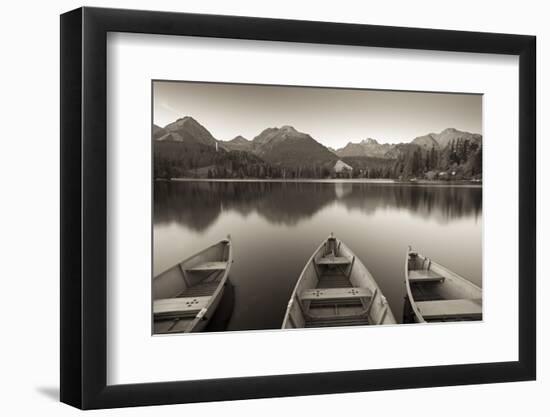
[276,226]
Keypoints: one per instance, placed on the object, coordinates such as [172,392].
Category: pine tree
[434,157]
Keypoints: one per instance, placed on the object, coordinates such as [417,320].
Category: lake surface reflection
[276,226]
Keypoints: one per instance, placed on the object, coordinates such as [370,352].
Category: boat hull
[435,293]
[335,289]
[195,287]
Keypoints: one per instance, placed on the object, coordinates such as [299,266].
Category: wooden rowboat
[335,289]
[437,294]
[186,296]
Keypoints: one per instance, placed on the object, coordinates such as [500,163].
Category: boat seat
[167,308]
[424,275]
[208,266]
[333,260]
[337,322]
[335,294]
[450,309]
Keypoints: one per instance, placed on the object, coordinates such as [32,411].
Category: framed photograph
[256,208]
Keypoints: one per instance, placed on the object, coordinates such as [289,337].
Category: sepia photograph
[292,207]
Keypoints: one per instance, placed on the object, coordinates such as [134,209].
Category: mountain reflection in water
[275,226]
[197,205]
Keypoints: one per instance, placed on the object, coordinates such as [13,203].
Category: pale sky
[332,116]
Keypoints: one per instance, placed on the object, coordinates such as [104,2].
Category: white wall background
[29,236]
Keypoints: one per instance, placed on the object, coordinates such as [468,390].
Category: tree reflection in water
[197,205]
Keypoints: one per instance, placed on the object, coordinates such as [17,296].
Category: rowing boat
[435,293]
[186,295]
[335,289]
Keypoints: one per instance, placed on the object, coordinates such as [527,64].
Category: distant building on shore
[340,167]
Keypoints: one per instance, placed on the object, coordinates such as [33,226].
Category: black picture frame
[84,207]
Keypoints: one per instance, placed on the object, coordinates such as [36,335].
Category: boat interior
[439,295]
[184,292]
[174,315]
[335,299]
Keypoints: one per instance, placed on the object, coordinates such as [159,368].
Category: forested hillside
[185,148]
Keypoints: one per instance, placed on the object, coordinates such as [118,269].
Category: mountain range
[370,147]
[283,146]
[186,130]
[186,148]
[367,147]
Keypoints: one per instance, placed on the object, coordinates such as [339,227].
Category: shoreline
[465,183]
